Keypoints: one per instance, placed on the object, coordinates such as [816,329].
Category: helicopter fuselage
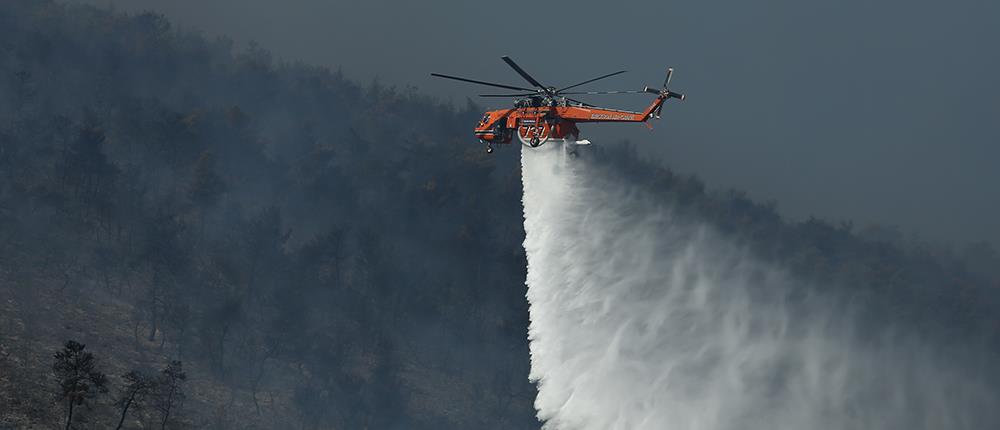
[538,120]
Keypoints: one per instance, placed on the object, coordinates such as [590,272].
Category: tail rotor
[665,92]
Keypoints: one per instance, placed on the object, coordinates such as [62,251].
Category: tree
[24,90]
[167,258]
[207,186]
[78,380]
[138,387]
[86,172]
[170,393]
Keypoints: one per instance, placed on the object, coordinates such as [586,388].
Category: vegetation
[318,253]
[77,377]
[138,387]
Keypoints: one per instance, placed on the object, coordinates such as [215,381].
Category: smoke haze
[326,253]
[643,320]
[879,112]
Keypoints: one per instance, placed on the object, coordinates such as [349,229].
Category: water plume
[643,320]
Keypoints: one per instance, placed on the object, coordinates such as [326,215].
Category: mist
[645,319]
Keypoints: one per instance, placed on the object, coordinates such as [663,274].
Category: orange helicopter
[544,114]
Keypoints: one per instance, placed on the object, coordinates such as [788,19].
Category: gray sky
[875,111]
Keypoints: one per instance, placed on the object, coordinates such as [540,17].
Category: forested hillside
[313,252]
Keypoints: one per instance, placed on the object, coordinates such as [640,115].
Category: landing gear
[489,145]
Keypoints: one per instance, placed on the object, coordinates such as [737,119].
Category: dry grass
[37,315]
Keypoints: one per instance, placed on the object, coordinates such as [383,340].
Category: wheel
[489,149]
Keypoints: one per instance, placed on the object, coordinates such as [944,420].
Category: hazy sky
[875,111]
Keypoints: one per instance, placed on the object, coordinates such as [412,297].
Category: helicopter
[545,114]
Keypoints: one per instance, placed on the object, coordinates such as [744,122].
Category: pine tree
[77,377]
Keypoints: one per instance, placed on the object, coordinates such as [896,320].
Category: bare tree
[138,387]
[259,352]
[170,393]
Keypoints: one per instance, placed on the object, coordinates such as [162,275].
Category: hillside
[318,253]
[273,226]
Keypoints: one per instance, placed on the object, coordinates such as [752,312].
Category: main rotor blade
[592,80]
[602,92]
[521,72]
[507,95]
[509,87]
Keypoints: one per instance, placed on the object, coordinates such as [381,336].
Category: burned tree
[170,393]
[136,392]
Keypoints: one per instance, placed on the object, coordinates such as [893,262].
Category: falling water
[643,320]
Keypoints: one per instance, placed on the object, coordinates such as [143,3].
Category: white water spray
[640,320]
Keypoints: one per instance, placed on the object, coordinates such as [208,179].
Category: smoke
[642,320]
